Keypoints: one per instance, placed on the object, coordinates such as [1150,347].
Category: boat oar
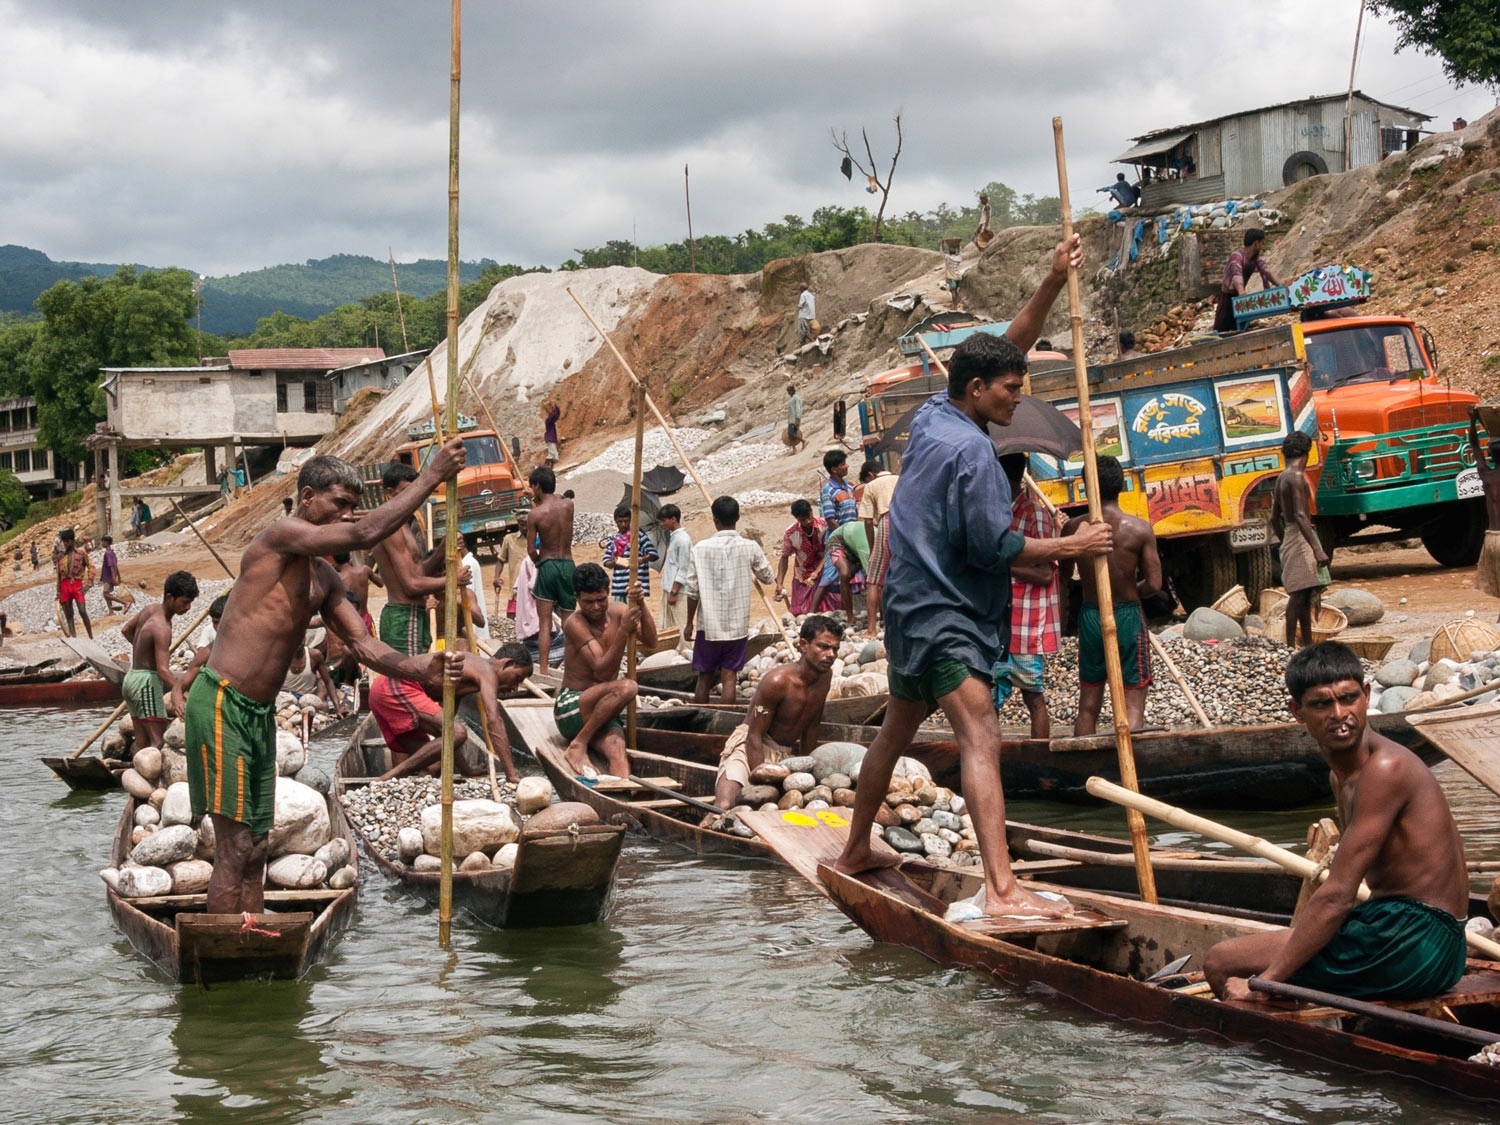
[1255,845]
[1374,1011]
[1102,592]
[1176,673]
[633,560]
[683,797]
[687,462]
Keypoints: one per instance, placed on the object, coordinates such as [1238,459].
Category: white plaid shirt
[720,579]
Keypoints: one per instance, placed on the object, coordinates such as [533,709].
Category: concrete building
[1260,150]
[36,466]
[381,374]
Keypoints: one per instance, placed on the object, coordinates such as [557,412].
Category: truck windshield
[1363,354]
[484,449]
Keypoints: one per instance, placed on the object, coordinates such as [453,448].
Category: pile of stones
[1414,681]
[859,670]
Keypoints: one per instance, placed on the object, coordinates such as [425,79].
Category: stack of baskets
[1328,622]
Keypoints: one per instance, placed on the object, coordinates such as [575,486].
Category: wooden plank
[623,785]
[273,898]
[806,840]
[1470,736]
[229,937]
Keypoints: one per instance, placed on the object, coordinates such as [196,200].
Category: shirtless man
[410,575]
[414,733]
[75,574]
[784,712]
[550,545]
[1407,941]
[1134,573]
[231,719]
[357,579]
[150,678]
[593,698]
[1301,550]
[203,645]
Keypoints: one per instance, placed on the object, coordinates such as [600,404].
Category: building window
[4,461]
[281,398]
[23,460]
[309,397]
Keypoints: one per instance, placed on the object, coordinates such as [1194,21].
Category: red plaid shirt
[1035,615]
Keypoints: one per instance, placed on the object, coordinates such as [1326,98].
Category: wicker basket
[1273,602]
[1459,640]
[1233,603]
[1329,623]
[1371,648]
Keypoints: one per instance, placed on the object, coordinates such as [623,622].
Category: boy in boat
[593,697]
[550,545]
[947,596]
[784,712]
[230,722]
[1134,573]
[1407,941]
[411,720]
[150,677]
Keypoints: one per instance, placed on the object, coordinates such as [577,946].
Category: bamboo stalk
[1102,592]
[194,529]
[633,652]
[687,462]
[1255,845]
[450,532]
[1181,680]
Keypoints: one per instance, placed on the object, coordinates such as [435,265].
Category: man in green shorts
[230,740]
[1134,573]
[947,594]
[1407,941]
[592,700]
[550,544]
[410,574]
[150,678]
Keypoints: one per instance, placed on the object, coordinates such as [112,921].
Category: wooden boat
[561,877]
[849,711]
[681,677]
[1271,766]
[175,933]
[1102,958]
[87,771]
[42,686]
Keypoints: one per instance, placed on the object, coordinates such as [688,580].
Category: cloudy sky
[223,135]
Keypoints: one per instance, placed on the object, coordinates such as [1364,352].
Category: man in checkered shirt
[1035,610]
[720,582]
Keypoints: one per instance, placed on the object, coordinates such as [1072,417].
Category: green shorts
[566,715]
[554,583]
[230,742]
[142,690]
[406,628]
[1135,646]
[941,679]
[1394,948]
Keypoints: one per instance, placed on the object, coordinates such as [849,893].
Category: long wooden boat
[1271,766]
[87,771]
[849,710]
[561,877]
[53,687]
[1101,959]
[681,677]
[175,932]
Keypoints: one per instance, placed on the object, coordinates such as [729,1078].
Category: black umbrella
[663,480]
[1038,427]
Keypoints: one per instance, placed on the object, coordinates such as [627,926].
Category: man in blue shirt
[947,594]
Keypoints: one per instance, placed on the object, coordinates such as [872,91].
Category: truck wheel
[1208,574]
[1457,540]
[1254,569]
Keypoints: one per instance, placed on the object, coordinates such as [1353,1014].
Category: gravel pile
[735,459]
[760,498]
[656,450]
[590,527]
[35,609]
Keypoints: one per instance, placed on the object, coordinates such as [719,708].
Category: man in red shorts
[74,576]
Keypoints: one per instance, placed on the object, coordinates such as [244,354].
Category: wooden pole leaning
[633,651]
[450,532]
[687,462]
[1177,676]
[187,519]
[1138,842]
[1255,845]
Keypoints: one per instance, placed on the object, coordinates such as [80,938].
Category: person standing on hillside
[794,436]
[984,220]
[549,431]
[1302,554]
[109,579]
[1237,270]
[1134,573]
[807,312]
[75,574]
[721,580]
[674,568]
[550,547]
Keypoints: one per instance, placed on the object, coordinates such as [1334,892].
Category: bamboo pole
[633,652]
[687,462]
[1102,591]
[1255,845]
[450,536]
[194,529]
[1181,680]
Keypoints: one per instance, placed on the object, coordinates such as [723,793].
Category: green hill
[25,273]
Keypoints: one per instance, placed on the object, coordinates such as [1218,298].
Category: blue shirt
[837,504]
[947,594]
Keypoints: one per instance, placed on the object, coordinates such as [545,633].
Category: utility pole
[692,250]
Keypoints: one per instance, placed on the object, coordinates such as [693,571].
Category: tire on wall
[1302,166]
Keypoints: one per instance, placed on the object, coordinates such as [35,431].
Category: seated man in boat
[231,711]
[1406,941]
[784,712]
[591,702]
[150,678]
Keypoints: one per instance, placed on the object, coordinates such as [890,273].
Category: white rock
[158,797]
[475,861]
[958,806]
[910,768]
[334,854]
[291,755]
[169,845]
[174,737]
[427,863]
[301,822]
[111,877]
[177,807]
[478,826]
[126,726]
[344,877]
[207,845]
[300,872]
[190,876]
[136,785]
[505,856]
[173,767]
[147,763]
[146,816]
[143,882]
[533,794]
[139,833]
[409,844]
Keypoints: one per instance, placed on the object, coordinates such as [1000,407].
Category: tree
[875,184]
[14,499]
[1464,33]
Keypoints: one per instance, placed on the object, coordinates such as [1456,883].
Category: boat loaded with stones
[1136,961]
[556,867]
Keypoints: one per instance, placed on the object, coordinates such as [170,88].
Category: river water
[714,991]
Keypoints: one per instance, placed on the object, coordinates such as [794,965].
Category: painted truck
[1397,457]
